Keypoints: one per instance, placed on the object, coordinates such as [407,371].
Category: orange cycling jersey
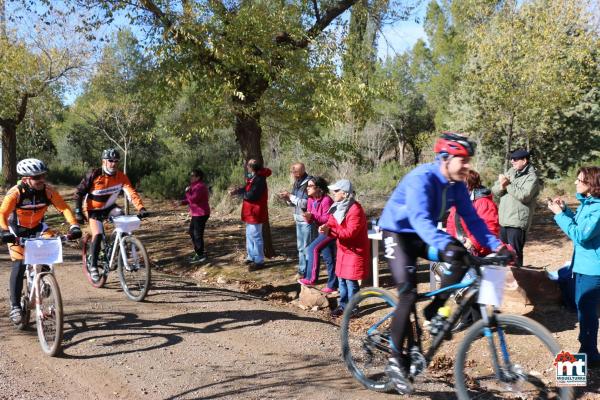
[25,207]
[102,190]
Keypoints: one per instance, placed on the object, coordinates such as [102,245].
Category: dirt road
[185,341]
[209,341]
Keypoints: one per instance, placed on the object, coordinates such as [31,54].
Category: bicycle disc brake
[513,374]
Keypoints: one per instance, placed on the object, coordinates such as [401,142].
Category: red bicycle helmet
[454,144]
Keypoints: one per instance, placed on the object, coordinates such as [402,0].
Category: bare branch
[178,33]
[22,108]
[316,8]
[331,13]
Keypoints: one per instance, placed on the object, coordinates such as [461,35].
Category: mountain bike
[41,292]
[123,252]
[499,356]
[470,315]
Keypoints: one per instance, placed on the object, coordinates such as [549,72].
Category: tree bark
[249,133]
[509,136]
[9,152]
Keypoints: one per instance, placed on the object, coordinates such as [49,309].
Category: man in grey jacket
[298,198]
[517,190]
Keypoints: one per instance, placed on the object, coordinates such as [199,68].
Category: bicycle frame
[114,248]
[414,335]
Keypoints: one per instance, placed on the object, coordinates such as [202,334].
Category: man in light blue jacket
[583,228]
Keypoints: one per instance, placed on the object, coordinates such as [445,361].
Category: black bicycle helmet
[111,154]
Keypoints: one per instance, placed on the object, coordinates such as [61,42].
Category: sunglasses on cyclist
[113,161]
[38,177]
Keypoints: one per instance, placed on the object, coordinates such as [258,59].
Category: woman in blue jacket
[583,228]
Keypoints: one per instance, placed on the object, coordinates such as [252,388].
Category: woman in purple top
[317,213]
[196,197]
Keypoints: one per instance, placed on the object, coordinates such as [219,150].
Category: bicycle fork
[37,291]
[502,371]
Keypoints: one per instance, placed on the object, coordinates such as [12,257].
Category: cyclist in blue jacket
[410,229]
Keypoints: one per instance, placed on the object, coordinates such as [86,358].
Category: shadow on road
[112,333]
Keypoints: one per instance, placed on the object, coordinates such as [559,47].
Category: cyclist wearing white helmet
[22,215]
[100,188]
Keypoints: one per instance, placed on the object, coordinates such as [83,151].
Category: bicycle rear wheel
[86,257]
[49,316]
[530,374]
[135,276]
[365,336]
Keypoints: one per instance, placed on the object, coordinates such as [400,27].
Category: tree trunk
[9,152]
[248,133]
[509,136]
[125,172]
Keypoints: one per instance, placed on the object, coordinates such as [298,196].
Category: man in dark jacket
[255,196]
[298,198]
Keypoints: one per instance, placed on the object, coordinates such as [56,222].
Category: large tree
[32,61]
[529,63]
[239,56]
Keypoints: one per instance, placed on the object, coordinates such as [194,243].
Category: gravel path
[184,342]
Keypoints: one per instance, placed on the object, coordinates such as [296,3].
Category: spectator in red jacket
[486,209]
[348,224]
[196,198]
[254,211]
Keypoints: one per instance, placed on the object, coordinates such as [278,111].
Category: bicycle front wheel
[365,336]
[135,276]
[525,352]
[49,316]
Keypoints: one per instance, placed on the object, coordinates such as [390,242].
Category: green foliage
[114,110]
[65,174]
[381,180]
[527,65]
[563,184]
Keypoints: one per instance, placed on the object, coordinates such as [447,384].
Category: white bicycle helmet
[31,167]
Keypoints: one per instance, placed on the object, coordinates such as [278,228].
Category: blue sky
[397,38]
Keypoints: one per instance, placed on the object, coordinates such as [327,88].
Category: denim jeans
[254,243]
[347,289]
[587,297]
[305,233]
[323,246]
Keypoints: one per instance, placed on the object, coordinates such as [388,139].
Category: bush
[65,175]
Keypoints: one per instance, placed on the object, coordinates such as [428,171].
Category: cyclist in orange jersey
[22,215]
[100,188]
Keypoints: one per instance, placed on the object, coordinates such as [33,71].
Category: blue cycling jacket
[422,199]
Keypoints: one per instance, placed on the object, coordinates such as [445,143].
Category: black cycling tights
[401,252]
[95,250]
[16,282]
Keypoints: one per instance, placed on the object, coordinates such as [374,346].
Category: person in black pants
[196,198]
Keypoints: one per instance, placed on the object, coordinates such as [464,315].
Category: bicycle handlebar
[433,255]
[493,260]
[21,240]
